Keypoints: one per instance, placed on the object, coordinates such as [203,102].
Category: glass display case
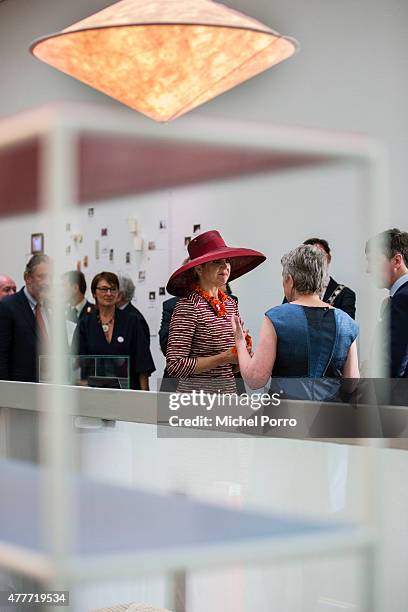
[107,372]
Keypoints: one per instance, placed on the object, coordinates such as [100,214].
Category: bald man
[7,286]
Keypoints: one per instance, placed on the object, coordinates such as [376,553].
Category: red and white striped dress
[196,331]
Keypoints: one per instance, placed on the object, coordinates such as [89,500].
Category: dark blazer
[168,384]
[130,309]
[346,300]
[86,310]
[18,339]
[128,339]
[168,309]
[398,320]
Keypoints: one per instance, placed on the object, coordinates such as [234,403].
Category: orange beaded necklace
[218,305]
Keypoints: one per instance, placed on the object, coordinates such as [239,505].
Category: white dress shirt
[398,283]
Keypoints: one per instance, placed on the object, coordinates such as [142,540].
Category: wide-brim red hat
[210,246]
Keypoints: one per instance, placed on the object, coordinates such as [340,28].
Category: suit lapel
[400,288]
[25,310]
[84,311]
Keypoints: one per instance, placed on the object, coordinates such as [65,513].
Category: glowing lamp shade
[164,57]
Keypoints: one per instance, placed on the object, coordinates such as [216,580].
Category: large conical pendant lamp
[164,57]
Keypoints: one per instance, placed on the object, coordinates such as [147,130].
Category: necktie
[40,322]
[74,314]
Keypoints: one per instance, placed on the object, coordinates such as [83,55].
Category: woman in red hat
[201,350]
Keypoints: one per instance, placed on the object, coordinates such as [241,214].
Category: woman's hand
[230,356]
[237,329]
[240,334]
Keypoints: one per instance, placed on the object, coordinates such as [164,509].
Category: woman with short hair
[110,332]
[304,338]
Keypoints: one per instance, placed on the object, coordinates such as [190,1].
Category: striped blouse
[196,331]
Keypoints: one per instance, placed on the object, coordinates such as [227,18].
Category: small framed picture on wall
[37,244]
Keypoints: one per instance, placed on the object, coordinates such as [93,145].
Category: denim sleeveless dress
[313,344]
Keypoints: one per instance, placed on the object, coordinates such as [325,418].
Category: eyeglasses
[107,289]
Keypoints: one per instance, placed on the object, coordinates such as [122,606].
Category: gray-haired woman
[125,296]
[304,338]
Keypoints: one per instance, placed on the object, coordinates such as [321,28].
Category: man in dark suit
[24,325]
[387,259]
[168,309]
[336,294]
[125,297]
[168,384]
[7,286]
[74,284]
